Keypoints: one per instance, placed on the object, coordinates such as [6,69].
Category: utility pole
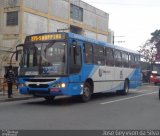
[117,41]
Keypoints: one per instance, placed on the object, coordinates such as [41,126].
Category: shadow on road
[63,101]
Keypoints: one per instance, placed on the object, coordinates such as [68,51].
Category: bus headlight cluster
[59,85]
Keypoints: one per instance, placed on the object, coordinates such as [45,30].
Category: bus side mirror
[76,48]
[18,52]
[74,43]
[19,49]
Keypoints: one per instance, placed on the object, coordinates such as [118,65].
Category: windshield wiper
[50,44]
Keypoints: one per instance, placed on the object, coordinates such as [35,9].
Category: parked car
[154,77]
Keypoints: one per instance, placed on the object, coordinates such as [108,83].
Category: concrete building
[19,18]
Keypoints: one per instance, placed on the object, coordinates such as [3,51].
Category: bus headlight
[60,85]
[63,85]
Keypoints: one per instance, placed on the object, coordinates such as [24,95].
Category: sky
[132,21]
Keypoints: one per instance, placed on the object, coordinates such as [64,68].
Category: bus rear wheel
[126,87]
[87,92]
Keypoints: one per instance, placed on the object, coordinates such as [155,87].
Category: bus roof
[94,41]
[62,35]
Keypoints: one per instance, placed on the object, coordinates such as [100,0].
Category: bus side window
[99,57]
[137,60]
[132,60]
[125,59]
[88,53]
[109,57]
[118,58]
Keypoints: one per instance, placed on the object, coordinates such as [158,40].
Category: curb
[16,99]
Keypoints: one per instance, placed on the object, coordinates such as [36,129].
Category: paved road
[140,109]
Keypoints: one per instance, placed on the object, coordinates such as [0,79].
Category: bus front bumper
[40,91]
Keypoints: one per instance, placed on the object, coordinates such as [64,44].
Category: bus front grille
[38,86]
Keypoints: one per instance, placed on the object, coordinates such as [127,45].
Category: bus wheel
[126,88]
[87,92]
[49,98]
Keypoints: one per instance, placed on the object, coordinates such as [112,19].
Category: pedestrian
[10,79]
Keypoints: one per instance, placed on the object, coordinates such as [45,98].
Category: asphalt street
[140,109]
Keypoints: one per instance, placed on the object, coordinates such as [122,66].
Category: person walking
[10,78]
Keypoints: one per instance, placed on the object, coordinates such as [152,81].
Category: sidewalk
[16,96]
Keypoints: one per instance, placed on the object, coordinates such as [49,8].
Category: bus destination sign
[46,37]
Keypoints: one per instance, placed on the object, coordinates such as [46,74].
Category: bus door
[118,71]
[75,65]
[109,68]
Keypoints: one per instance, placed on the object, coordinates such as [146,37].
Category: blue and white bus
[69,64]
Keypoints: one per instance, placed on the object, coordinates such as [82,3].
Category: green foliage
[149,50]
[155,38]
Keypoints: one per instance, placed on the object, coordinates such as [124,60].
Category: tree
[155,40]
[150,51]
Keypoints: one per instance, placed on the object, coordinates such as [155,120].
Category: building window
[12,18]
[76,13]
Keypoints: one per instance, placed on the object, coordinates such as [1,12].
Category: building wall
[90,34]
[55,25]
[1,56]
[110,36]
[60,9]
[94,18]
[90,19]
[9,35]
[40,5]
[102,37]
[34,24]
[50,12]
[11,30]
[10,3]
[38,16]
[1,20]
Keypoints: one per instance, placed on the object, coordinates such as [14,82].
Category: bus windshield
[49,58]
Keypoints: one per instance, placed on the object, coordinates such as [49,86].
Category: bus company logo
[121,74]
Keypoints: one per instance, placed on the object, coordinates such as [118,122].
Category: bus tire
[125,90]
[87,92]
[49,98]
